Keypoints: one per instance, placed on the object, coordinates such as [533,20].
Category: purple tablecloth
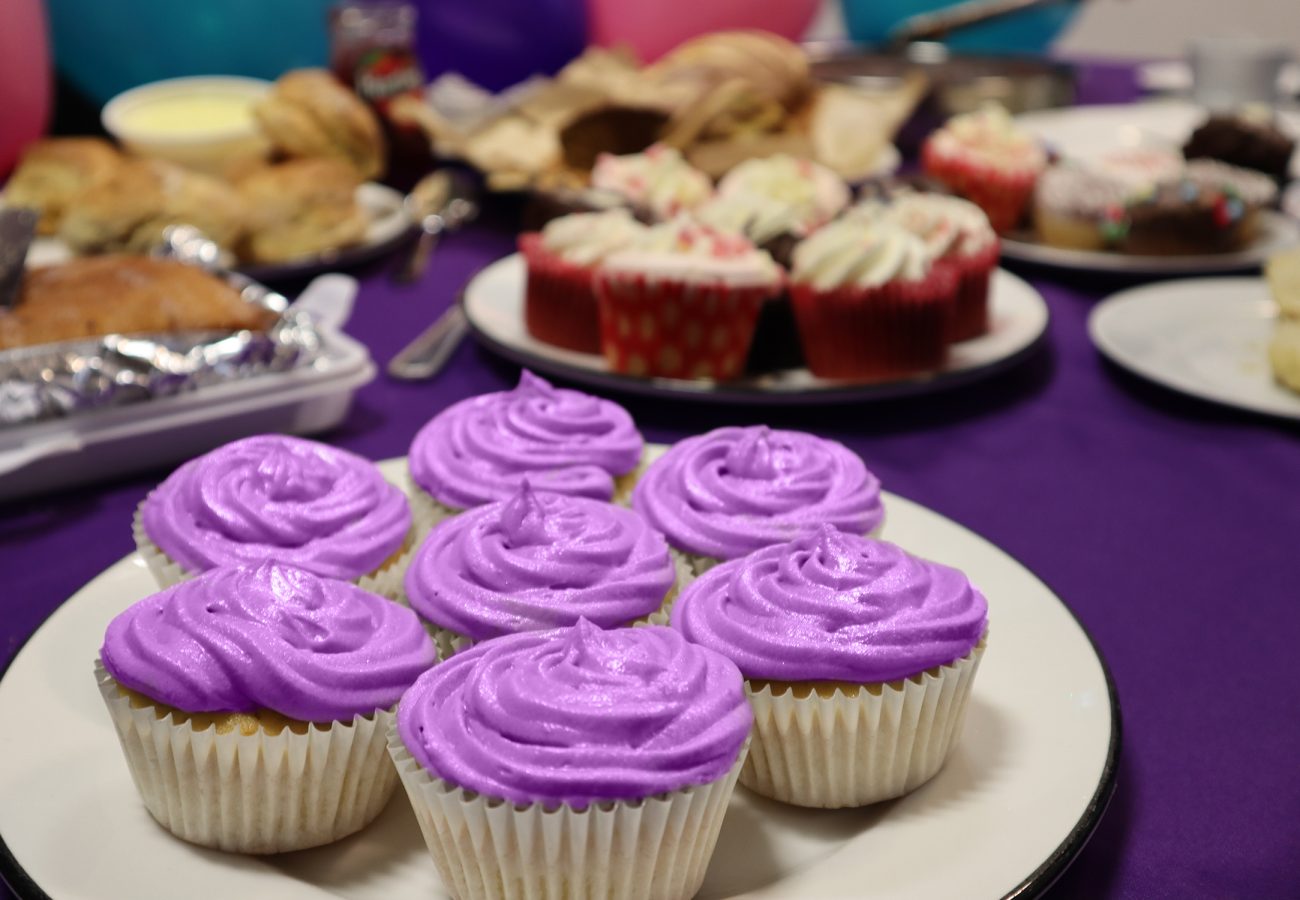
[1169,526]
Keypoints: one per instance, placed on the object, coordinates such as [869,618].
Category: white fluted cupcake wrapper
[487,849]
[385,581]
[254,793]
[698,565]
[852,747]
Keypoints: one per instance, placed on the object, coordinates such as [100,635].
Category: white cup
[1230,71]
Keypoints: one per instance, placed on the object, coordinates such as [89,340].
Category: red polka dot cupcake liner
[871,334]
[1003,194]
[560,299]
[970,311]
[676,329]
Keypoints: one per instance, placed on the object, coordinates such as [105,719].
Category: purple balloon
[496,43]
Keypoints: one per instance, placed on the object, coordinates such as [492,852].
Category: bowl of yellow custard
[204,122]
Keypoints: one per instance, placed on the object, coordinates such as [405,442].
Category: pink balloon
[654,28]
[24,77]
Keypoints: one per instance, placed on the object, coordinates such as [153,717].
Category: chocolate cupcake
[1246,141]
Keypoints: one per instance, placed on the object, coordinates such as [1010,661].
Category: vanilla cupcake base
[426,512]
[386,581]
[830,745]
[258,792]
[490,849]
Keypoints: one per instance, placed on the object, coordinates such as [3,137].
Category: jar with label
[373,52]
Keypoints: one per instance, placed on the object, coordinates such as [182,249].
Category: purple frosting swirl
[733,490]
[830,606]
[283,498]
[269,636]
[479,449]
[578,715]
[539,561]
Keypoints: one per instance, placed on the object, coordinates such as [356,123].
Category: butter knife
[425,356]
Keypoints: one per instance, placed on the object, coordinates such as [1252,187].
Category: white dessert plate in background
[1025,786]
[1206,337]
[1276,232]
[389,225]
[494,305]
[1174,76]
[1086,132]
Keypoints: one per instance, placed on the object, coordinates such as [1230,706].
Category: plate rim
[1107,308]
[1035,884]
[753,395]
[1279,232]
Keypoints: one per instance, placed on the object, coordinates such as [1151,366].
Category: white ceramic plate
[1174,76]
[1084,132]
[1022,792]
[494,305]
[388,226]
[1206,337]
[1276,232]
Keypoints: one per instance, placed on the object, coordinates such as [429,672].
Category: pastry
[620,746]
[658,180]
[301,208]
[252,704]
[1283,274]
[870,300]
[54,172]
[308,113]
[131,207]
[560,305]
[682,301]
[1245,140]
[539,561]
[283,498]
[955,232]
[721,495]
[482,448]
[858,660]
[985,158]
[122,295]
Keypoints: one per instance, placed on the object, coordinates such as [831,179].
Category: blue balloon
[1031,31]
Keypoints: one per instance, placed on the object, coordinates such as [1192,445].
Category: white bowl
[204,122]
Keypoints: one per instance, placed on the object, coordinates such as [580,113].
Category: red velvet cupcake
[560,305]
[870,302]
[683,301]
[956,232]
[984,158]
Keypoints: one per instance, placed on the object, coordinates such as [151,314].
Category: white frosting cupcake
[691,252]
[584,239]
[855,252]
[659,179]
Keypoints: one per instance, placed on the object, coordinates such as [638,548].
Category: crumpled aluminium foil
[55,380]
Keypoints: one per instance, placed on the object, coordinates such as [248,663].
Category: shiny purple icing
[830,606]
[733,490]
[538,561]
[282,498]
[479,449]
[578,715]
[268,636]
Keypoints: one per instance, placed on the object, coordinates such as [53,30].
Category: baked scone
[300,208]
[54,172]
[309,113]
[129,209]
[1283,274]
[121,294]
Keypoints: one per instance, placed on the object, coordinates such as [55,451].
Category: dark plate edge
[1034,885]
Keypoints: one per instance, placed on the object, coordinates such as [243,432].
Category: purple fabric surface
[1166,524]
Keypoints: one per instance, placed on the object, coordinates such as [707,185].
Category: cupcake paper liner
[560,299]
[832,745]
[970,312]
[254,793]
[1003,194]
[486,849]
[895,329]
[676,329]
[386,581]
